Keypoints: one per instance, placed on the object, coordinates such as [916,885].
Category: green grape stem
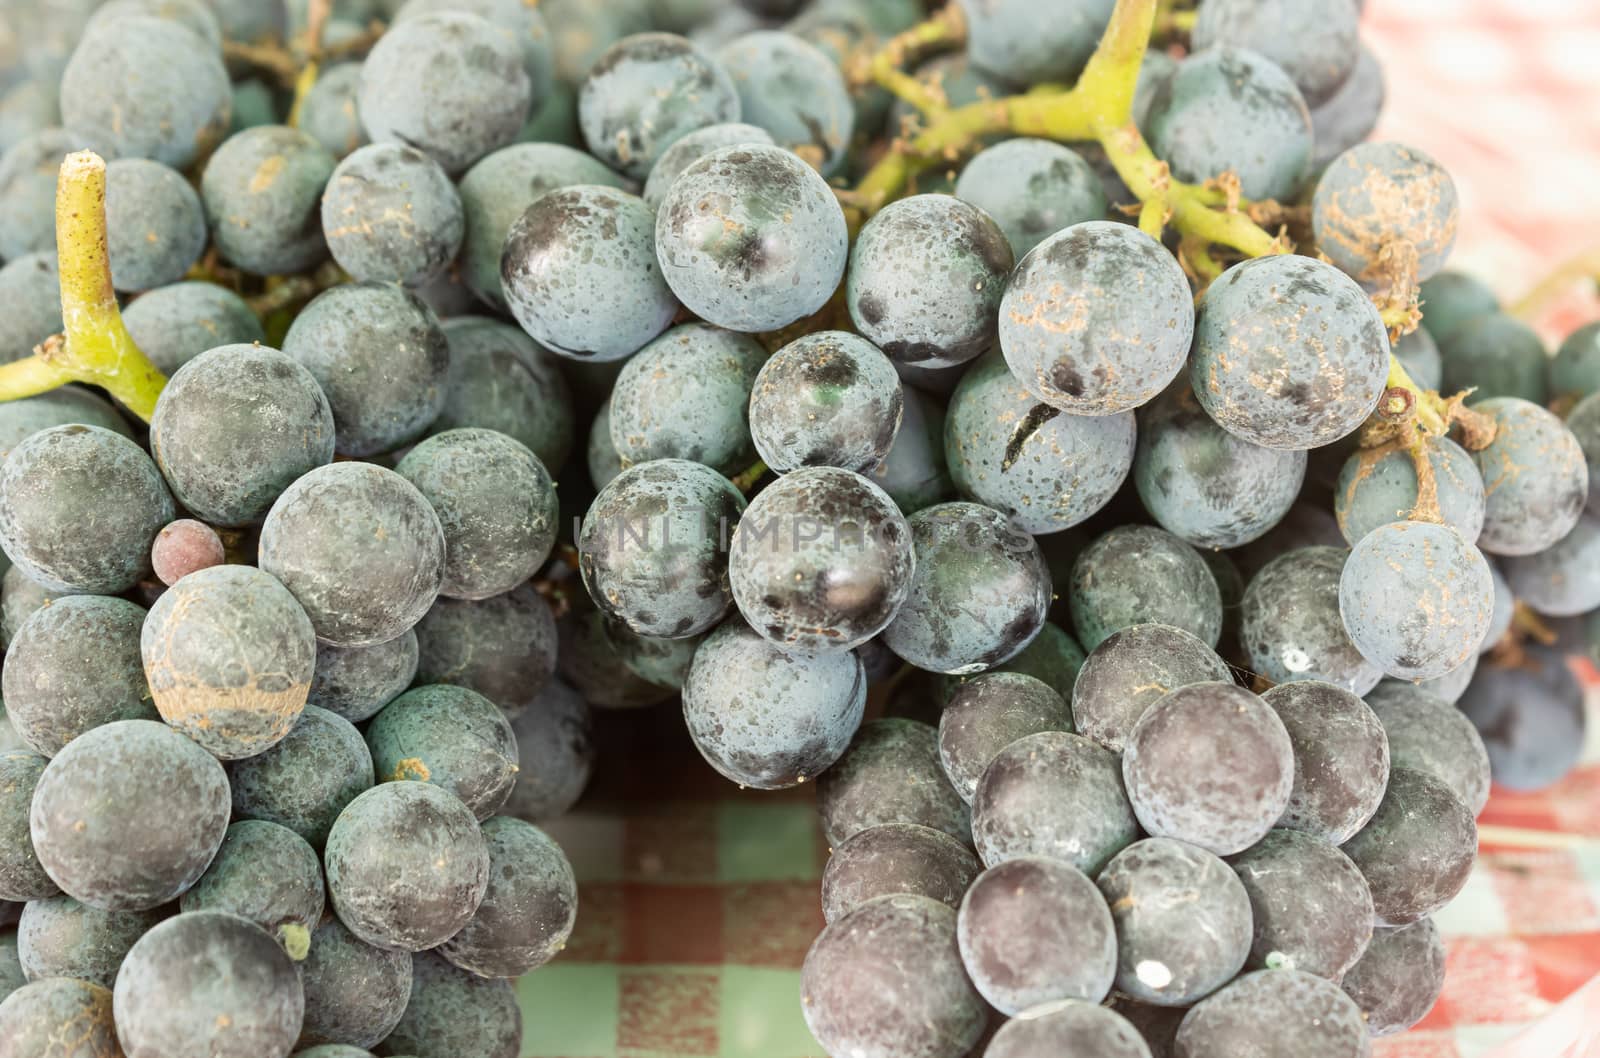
[96,348]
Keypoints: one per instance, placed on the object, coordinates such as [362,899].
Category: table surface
[698,900]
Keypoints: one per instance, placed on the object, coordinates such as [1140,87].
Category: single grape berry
[887,981]
[1031,188]
[1417,850]
[1564,579]
[1315,42]
[267,224]
[796,92]
[184,547]
[1210,764]
[1069,1027]
[500,379]
[767,717]
[690,148]
[355,682]
[1378,196]
[1452,298]
[913,472]
[528,909]
[1016,807]
[1341,758]
[988,713]
[155,227]
[826,399]
[1022,42]
[1130,670]
[979,593]
[176,323]
[46,1017]
[926,278]
[1575,370]
[1377,487]
[1532,719]
[1311,907]
[1137,574]
[555,753]
[503,647]
[449,736]
[269,875]
[1425,733]
[307,779]
[391,215]
[1495,355]
[329,112]
[1288,352]
[354,992]
[1276,1013]
[1183,921]
[1535,478]
[646,92]
[30,298]
[21,875]
[750,238]
[61,937]
[451,1011]
[1418,353]
[896,858]
[1097,319]
[1398,979]
[890,774]
[1290,625]
[579,273]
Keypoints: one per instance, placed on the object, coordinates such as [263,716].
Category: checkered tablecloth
[698,900]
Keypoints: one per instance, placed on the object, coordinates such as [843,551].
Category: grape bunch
[1046,429]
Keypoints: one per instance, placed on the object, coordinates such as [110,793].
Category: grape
[1315,42]
[406,865]
[452,1012]
[1504,610]
[926,277]
[28,192]
[267,874]
[143,87]
[1418,353]
[581,31]
[360,549]
[1130,670]
[1053,657]
[1205,485]
[73,666]
[20,419]
[1398,979]
[1418,849]
[1341,758]
[686,395]
[355,682]
[1534,477]
[236,426]
[886,981]
[1232,109]
[450,736]
[1532,720]
[822,561]
[390,214]
[1450,299]
[528,909]
[828,398]
[252,21]
[690,148]
[1031,188]
[1069,1027]
[174,324]
[21,875]
[1210,764]
[1495,355]
[30,304]
[1274,1014]
[22,599]
[794,91]
[1137,574]
[1097,319]
[647,91]
[381,358]
[1575,371]
[1446,591]
[496,503]
[578,266]
[1584,424]
[1563,580]
[25,108]
[988,713]
[450,84]
[766,717]
[1426,734]
[208,982]
[145,843]
[1290,624]
[979,595]
[523,21]
[79,508]
[1377,487]
[47,1017]
[354,992]
[1023,42]
[497,190]
[253,105]
[890,774]
[1375,196]
[656,660]
[1348,116]
[650,549]
[261,191]
[1307,330]
[196,16]
[155,227]
[329,113]
[1017,805]
[60,937]
[913,472]
[503,647]
[307,779]
[1311,906]
[1034,931]
[499,379]
[896,858]
[750,238]
[11,975]
[1183,921]
[184,547]
[1048,470]
[555,755]
[590,661]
